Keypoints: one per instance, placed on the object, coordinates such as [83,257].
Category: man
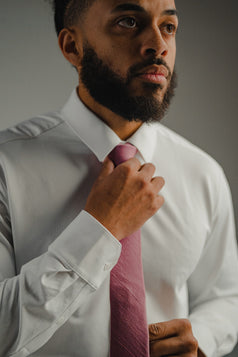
[66,208]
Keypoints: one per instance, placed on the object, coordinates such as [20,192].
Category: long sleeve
[213,286]
[38,301]
[55,258]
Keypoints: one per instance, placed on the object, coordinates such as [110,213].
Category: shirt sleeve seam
[28,137]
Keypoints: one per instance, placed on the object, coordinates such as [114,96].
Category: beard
[112,91]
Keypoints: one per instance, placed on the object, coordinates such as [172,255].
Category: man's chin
[140,109]
[146,89]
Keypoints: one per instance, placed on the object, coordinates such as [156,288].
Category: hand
[125,197]
[172,338]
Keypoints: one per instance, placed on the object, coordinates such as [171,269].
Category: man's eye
[170,29]
[128,22]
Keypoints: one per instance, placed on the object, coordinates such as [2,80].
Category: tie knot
[122,152]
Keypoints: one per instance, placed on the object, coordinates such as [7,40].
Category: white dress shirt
[55,259]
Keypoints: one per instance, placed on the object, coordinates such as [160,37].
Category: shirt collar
[98,136]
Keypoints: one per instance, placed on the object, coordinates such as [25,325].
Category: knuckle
[158,329]
[143,184]
[161,185]
[161,330]
[154,207]
[192,344]
[125,170]
[148,166]
[156,203]
[185,324]
[160,201]
[162,181]
[187,338]
[159,182]
[150,196]
[136,161]
[196,344]
[151,166]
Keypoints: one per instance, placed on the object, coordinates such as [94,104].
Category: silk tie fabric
[129,329]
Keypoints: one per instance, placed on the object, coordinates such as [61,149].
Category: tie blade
[129,328]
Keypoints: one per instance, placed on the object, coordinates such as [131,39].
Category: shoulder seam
[31,137]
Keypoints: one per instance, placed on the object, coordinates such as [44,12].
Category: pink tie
[129,329]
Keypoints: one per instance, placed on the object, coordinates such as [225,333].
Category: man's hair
[66,12]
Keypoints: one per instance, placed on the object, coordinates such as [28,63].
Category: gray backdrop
[35,78]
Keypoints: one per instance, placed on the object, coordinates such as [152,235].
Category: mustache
[133,71]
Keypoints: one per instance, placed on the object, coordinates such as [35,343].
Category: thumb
[107,168]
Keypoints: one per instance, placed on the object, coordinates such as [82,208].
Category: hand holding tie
[125,197]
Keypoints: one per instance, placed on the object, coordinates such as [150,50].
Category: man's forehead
[144,4]
[107,8]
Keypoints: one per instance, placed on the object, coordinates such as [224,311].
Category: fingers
[131,164]
[107,168]
[146,180]
[158,183]
[147,170]
[173,337]
[124,197]
[169,328]
[162,329]
[173,346]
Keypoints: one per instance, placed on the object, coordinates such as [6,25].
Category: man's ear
[68,45]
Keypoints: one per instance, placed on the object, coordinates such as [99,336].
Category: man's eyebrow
[170,12]
[135,7]
[128,7]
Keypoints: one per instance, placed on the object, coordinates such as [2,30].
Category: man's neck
[122,127]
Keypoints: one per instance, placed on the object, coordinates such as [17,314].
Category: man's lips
[155,74]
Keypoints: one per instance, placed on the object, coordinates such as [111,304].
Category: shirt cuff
[205,339]
[87,248]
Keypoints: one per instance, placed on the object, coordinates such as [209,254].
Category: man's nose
[153,43]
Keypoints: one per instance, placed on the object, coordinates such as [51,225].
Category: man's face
[128,57]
